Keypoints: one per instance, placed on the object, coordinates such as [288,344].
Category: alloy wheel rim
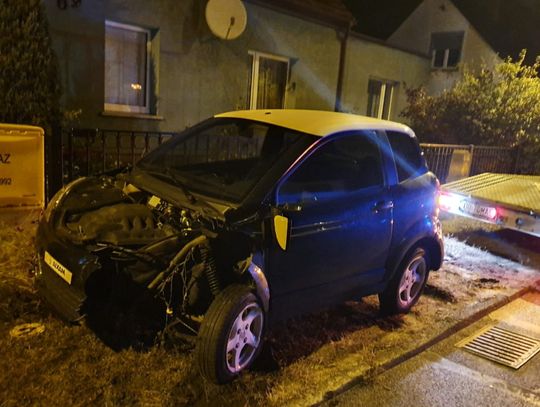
[412,281]
[244,337]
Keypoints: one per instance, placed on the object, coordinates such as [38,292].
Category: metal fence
[451,162]
[90,151]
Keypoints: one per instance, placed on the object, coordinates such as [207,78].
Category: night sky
[380,18]
[508,26]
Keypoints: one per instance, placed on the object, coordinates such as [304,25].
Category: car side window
[407,154]
[348,163]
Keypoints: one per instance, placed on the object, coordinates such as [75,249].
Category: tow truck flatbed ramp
[509,200]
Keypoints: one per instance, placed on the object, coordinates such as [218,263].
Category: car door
[338,214]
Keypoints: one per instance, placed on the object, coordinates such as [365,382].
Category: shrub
[29,83]
[498,106]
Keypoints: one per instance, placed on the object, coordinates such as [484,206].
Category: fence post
[87,154]
[117,164]
[53,160]
[71,154]
[471,151]
[132,142]
[103,155]
[517,153]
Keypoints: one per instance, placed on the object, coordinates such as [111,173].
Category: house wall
[198,75]
[368,59]
[436,16]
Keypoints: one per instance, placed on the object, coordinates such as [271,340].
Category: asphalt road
[446,375]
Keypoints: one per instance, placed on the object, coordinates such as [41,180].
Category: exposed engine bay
[183,255]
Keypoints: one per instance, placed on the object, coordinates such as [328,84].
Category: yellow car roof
[316,122]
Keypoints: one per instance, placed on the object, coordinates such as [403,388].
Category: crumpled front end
[62,274]
[93,229]
[103,238]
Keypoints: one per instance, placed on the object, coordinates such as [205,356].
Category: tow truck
[508,200]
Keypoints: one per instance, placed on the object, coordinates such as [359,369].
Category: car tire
[406,285]
[231,334]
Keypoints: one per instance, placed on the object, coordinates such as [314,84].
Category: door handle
[291,207]
[382,206]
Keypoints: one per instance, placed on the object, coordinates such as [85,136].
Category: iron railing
[443,159]
[91,151]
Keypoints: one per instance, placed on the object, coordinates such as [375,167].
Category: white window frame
[116,107]
[255,75]
[447,53]
[386,86]
[445,59]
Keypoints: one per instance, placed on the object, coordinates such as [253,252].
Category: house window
[446,49]
[127,60]
[268,81]
[380,96]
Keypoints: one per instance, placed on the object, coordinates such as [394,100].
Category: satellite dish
[226,18]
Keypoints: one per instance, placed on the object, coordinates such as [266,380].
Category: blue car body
[307,208]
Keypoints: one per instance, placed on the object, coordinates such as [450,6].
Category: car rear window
[407,155]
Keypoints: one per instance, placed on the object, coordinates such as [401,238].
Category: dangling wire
[167,285]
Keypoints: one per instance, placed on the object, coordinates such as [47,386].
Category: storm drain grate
[502,346]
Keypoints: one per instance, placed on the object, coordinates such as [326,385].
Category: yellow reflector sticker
[129,189]
[281,229]
[58,268]
[154,201]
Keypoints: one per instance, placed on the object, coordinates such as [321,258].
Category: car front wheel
[231,334]
[407,284]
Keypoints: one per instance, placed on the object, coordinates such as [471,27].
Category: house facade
[376,75]
[439,29]
[156,66]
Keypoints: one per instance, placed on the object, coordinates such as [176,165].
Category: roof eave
[315,17]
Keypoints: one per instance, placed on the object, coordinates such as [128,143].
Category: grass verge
[306,358]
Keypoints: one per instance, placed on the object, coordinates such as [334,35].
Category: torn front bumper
[63,273]
[65,300]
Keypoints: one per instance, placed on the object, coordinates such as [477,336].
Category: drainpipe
[341,70]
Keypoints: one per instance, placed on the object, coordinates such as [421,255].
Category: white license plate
[58,268]
[474,209]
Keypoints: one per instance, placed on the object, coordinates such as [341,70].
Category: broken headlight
[58,198]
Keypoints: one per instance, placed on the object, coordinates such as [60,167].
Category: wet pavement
[447,375]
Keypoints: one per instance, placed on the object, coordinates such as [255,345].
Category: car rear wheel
[231,334]
[407,285]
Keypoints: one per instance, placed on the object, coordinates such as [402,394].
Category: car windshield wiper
[168,175]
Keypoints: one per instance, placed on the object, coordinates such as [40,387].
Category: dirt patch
[305,358]
[440,293]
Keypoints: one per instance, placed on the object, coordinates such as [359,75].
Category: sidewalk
[446,375]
